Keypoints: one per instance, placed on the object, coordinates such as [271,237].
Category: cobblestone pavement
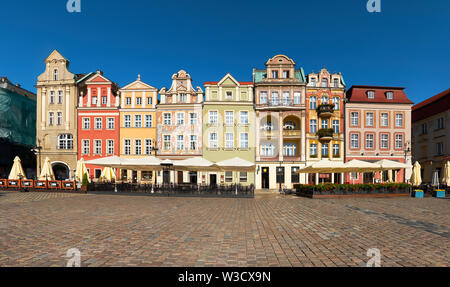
[37,229]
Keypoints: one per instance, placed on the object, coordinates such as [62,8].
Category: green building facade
[229,128]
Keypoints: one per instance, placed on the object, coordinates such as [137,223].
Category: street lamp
[37,150]
[155,149]
[407,150]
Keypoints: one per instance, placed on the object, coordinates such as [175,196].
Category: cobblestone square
[37,229]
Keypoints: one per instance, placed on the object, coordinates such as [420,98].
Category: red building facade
[98,121]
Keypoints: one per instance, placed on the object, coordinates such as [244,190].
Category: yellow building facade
[137,127]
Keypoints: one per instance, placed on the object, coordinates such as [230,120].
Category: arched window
[324,82]
[65,141]
[55,75]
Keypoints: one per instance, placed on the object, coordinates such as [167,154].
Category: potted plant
[84,183]
[417,193]
[439,193]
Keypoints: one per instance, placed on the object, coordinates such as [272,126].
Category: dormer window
[55,75]
[275,74]
[324,83]
[336,83]
[371,94]
[229,95]
[313,82]
[389,95]
[286,74]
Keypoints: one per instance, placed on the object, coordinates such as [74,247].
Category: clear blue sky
[407,44]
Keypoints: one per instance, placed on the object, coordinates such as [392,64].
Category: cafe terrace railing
[37,185]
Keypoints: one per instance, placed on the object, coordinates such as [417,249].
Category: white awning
[236,164]
[324,166]
[195,164]
[386,164]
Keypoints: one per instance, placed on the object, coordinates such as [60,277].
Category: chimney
[100,72]
[18,85]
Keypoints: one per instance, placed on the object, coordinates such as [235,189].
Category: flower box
[417,193]
[439,193]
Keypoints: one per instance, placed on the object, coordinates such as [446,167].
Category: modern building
[56,123]
[17,127]
[431,134]
[378,126]
[325,97]
[98,119]
[179,120]
[280,92]
[229,127]
[137,126]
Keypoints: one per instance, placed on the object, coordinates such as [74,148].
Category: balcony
[325,134]
[325,111]
[280,103]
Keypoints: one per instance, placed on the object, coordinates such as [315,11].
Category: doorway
[193,177]
[180,177]
[213,179]
[368,177]
[135,176]
[61,171]
[265,178]
[166,176]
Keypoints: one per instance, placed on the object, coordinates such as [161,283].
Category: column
[99,97]
[317,178]
[89,97]
[144,100]
[108,103]
[342,178]
[133,99]
[332,177]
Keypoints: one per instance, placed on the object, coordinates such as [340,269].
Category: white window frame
[213,142]
[127,121]
[354,141]
[137,146]
[98,124]
[167,119]
[86,124]
[384,121]
[111,123]
[97,147]
[138,121]
[148,121]
[354,118]
[85,149]
[180,142]
[110,147]
[244,117]
[213,117]
[127,146]
[243,142]
[229,140]
[180,118]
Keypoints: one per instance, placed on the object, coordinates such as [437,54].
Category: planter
[417,193]
[84,188]
[439,193]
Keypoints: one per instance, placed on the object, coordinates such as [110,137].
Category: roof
[431,100]
[358,94]
[215,83]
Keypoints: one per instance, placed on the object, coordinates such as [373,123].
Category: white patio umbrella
[17,170]
[112,161]
[47,171]
[416,179]
[435,180]
[386,164]
[356,165]
[108,175]
[236,164]
[446,174]
[195,164]
[81,171]
[324,166]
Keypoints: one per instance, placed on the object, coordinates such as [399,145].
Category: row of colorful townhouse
[281,121]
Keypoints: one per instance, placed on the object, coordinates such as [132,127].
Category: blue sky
[407,44]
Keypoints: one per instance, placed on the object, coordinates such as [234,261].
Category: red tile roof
[432,100]
[358,94]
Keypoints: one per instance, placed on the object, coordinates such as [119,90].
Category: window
[166,142]
[98,123]
[137,146]
[423,129]
[229,140]
[274,74]
[336,150]
[193,142]
[104,100]
[212,140]
[110,147]
[384,119]
[286,98]
[243,118]
[384,141]
[229,118]
[59,118]
[51,118]
[243,176]
[336,126]
[180,142]
[65,141]
[94,100]
[313,82]
[137,121]
[147,175]
[336,83]
[324,83]
[111,123]
[289,149]
[167,119]
[354,175]
[274,98]
[229,95]
[312,103]
[86,123]
[369,141]
[193,119]
[182,98]
[267,149]
[313,150]
[55,75]
[180,119]
[399,120]
[439,148]
[439,123]
[213,117]
[336,103]
[398,141]
[149,101]
[148,121]
[354,141]
[295,177]
[371,94]
[127,121]
[286,74]
[228,176]
[313,126]
[148,146]
[128,101]
[85,147]
[354,118]
[60,97]
[324,124]
[127,146]
[138,101]
[97,147]
[297,98]
[244,141]
[324,100]
[263,98]
[389,95]
[52,97]
[325,150]
[369,119]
